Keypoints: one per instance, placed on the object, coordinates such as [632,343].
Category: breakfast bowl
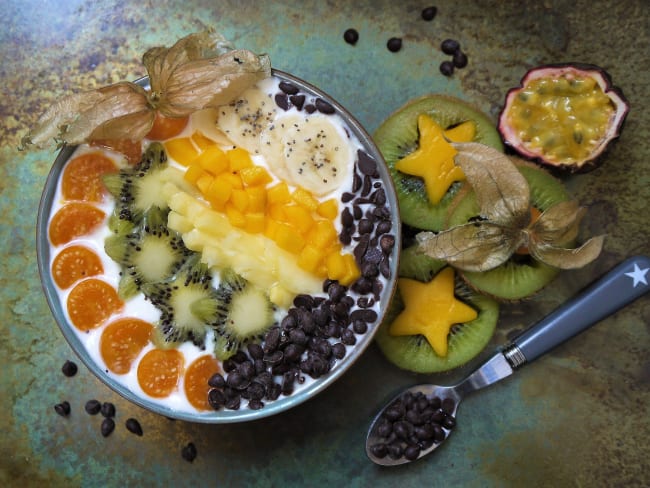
[259,277]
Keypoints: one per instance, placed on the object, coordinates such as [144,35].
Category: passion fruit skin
[620,105]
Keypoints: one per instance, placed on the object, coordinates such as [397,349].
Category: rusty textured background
[577,417]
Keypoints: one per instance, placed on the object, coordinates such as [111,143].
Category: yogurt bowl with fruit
[236,267]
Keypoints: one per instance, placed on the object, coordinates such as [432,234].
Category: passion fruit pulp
[563,115]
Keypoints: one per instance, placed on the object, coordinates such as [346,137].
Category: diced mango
[213,160]
[219,191]
[279,193]
[310,258]
[256,198]
[299,217]
[304,198]
[204,182]
[271,228]
[235,217]
[328,209]
[255,175]
[194,171]
[239,158]
[255,222]
[201,140]
[288,238]
[352,270]
[239,199]
[233,179]
[336,266]
[276,212]
[182,150]
[323,235]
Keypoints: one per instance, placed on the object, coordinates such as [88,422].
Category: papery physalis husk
[503,196]
[197,72]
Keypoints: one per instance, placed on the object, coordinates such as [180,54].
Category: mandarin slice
[196,381]
[91,302]
[132,150]
[159,372]
[82,177]
[74,220]
[74,263]
[122,341]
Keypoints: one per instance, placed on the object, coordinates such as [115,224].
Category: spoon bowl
[421,418]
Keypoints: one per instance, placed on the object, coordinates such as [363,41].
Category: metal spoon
[617,288]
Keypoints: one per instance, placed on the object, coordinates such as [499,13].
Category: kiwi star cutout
[433,160]
[431,309]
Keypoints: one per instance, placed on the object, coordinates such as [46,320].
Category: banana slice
[309,152]
[246,117]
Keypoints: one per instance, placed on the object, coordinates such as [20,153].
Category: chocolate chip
[272,340]
[69,369]
[429,13]
[92,407]
[282,101]
[217,381]
[297,101]
[338,350]
[310,109]
[255,404]
[324,107]
[107,427]
[394,44]
[367,165]
[63,408]
[108,410]
[351,36]
[133,426]
[288,88]
[188,452]
[255,351]
[216,398]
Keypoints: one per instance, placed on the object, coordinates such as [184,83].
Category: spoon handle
[618,287]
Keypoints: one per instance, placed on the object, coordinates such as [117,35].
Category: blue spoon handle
[618,287]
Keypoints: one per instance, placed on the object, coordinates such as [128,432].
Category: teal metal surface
[577,417]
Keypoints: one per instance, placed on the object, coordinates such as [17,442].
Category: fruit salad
[240,258]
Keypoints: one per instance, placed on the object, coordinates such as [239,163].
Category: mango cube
[239,199]
[201,140]
[213,160]
[218,192]
[255,175]
[235,217]
[310,258]
[181,149]
[255,222]
[204,182]
[256,198]
[304,198]
[288,238]
[328,209]
[239,158]
[299,217]
[194,171]
[323,235]
[279,193]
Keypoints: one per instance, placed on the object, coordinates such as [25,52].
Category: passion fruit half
[563,115]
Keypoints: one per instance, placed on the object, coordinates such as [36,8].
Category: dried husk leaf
[501,190]
[559,224]
[567,258]
[478,246]
[183,80]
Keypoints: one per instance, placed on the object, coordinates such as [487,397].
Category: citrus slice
[82,177]
[74,263]
[91,302]
[196,381]
[74,220]
[159,372]
[122,341]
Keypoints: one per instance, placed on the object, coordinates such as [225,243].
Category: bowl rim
[284,403]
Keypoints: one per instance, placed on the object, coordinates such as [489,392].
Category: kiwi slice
[149,253]
[465,341]
[398,136]
[244,314]
[521,276]
[188,302]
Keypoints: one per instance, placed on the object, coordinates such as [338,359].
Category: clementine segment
[122,341]
[91,302]
[74,263]
[196,381]
[82,177]
[166,127]
[159,372]
[74,220]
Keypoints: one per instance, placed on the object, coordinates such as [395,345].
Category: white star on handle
[638,275]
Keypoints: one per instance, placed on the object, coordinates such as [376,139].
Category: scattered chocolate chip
[92,407]
[188,452]
[351,36]
[297,101]
[447,68]
[394,44]
[282,100]
[367,165]
[449,46]
[429,13]
[108,410]
[133,426]
[324,107]
[310,109]
[107,427]
[63,408]
[69,369]
[288,88]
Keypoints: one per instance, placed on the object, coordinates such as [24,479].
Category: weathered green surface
[577,417]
